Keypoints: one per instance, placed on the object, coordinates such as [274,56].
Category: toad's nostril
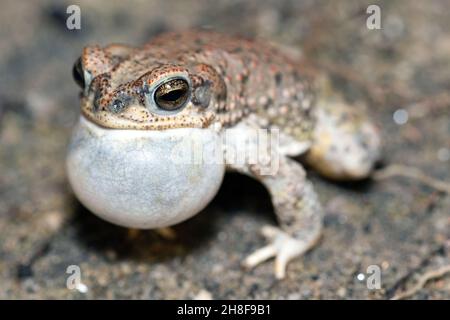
[117,106]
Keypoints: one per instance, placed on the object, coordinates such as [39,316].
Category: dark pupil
[172,95]
[77,73]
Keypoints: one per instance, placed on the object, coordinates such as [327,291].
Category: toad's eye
[172,95]
[78,74]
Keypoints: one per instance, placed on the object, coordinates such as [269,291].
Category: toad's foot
[282,247]
[167,233]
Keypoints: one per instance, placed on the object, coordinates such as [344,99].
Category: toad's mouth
[136,117]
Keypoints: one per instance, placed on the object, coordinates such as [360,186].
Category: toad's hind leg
[346,145]
[298,212]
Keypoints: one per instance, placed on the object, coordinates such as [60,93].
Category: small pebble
[341,292]
[400,116]
[443,154]
[294,296]
[82,288]
[203,295]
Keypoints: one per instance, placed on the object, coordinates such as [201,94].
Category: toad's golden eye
[172,95]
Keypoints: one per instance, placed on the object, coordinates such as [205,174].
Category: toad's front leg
[298,211]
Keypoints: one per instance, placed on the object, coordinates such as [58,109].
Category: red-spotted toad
[145,110]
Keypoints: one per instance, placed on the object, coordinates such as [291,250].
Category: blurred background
[401,73]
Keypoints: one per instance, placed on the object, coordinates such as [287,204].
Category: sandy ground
[398,224]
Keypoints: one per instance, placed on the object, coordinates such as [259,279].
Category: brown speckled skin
[244,77]
[239,83]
